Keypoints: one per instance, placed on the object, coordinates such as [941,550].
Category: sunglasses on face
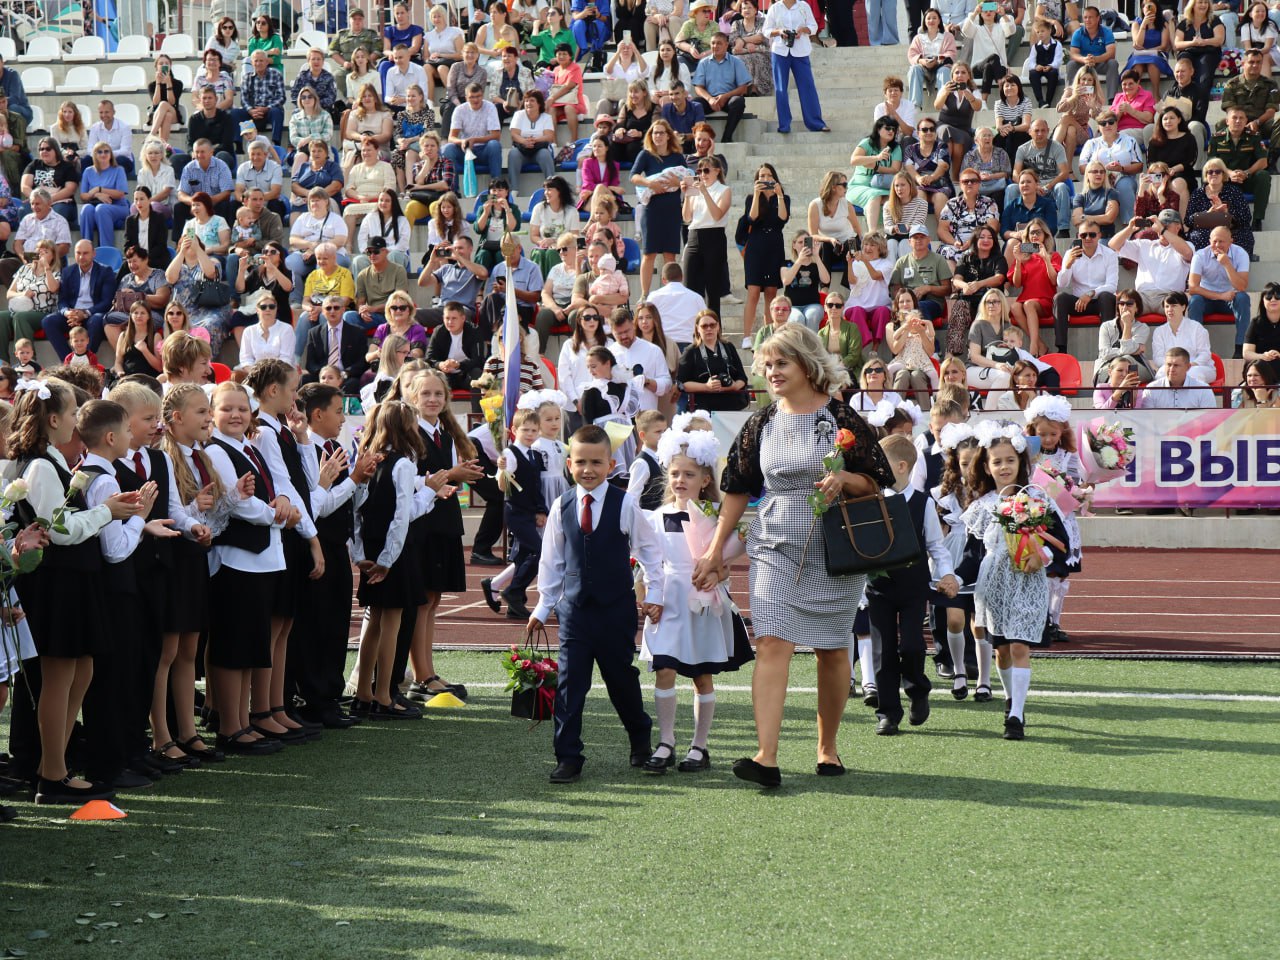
[1106,123]
[926,129]
[1271,296]
[968,180]
[1126,303]
[1087,236]
[398,308]
[874,371]
[834,304]
[271,307]
[1213,173]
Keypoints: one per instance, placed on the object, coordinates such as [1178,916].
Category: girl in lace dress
[1049,418]
[1011,605]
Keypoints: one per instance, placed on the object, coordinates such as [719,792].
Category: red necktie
[138,468]
[198,460]
[439,440]
[585,523]
[262,470]
[287,438]
[330,447]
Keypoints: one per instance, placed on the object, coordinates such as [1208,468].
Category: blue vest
[933,465]
[913,579]
[528,473]
[597,565]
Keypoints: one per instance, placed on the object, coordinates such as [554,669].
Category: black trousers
[735,108]
[318,641]
[527,550]
[110,703]
[915,15]
[605,637]
[24,726]
[897,628]
[1045,86]
[840,23]
[1102,306]
[706,265]
[490,529]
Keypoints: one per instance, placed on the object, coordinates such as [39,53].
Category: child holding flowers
[701,633]
[1049,418]
[1011,599]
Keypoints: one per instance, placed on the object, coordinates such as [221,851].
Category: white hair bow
[989,432]
[700,446]
[1049,407]
[39,386]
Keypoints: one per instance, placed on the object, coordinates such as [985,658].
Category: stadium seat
[550,372]
[1083,320]
[578,146]
[132,47]
[178,45]
[475,211]
[1219,318]
[127,79]
[1152,319]
[183,72]
[1068,368]
[307,39]
[86,50]
[109,257]
[535,198]
[37,80]
[129,114]
[631,253]
[81,80]
[37,115]
[221,372]
[1220,373]
[8,49]
[89,119]
[43,49]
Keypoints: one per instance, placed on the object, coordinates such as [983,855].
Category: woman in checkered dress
[793,600]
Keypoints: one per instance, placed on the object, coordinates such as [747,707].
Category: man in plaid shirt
[263,96]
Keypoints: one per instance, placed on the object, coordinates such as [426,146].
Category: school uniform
[322,625]
[612,401]
[896,604]
[927,473]
[490,528]
[282,454]
[554,479]
[1064,526]
[64,621]
[247,561]
[524,503]
[110,703]
[647,481]
[186,601]
[382,535]
[585,576]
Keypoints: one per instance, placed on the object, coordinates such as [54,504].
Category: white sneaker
[746,343]
[730,298]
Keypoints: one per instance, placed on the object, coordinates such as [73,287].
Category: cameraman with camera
[711,369]
[790,24]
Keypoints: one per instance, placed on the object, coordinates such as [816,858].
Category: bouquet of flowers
[1063,489]
[1022,516]
[833,462]
[699,531]
[531,680]
[1106,450]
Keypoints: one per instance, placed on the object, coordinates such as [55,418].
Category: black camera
[768,184]
[725,379]
[789,37]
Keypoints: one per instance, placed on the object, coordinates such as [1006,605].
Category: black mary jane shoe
[658,765]
[308,728]
[961,692]
[486,587]
[688,765]
[290,736]
[231,743]
[204,753]
[459,690]
[394,711]
[62,792]
[161,758]
[748,769]
[1013,729]
[982,694]
[831,769]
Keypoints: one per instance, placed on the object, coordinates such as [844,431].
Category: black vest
[529,469]
[292,457]
[656,486]
[597,565]
[337,527]
[152,552]
[118,577]
[379,508]
[445,517]
[253,537]
[933,465]
[83,557]
[913,578]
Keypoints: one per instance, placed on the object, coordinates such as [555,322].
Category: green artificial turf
[1121,828]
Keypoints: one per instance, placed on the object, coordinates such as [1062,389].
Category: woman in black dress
[659,217]
[710,369]
[1173,144]
[763,247]
[634,119]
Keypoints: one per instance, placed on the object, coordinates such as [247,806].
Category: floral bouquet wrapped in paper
[1070,496]
[1023,517]
[1106,450]
[699,531]
[532,674]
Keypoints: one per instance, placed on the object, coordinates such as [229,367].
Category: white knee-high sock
[866,657]
[501,581]
[1021,684]
[955,643]
[1056,595]
[664,702]
[1006,680]
[704,711]
[1064,587]
[984,663]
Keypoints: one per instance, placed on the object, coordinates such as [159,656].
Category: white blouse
[701,219]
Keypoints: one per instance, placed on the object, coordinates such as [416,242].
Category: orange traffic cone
[99,810]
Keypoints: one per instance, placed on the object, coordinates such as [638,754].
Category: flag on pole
[512,341]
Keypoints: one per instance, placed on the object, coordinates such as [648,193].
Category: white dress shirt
[646,546]
[47,494]
[263,343]
[251,510]
[397,84]
[1190,335]
[403,476]
[183,520]
[795,17]
[1091,275]
[1160,266]
[119,137]
[940,563]
[119,538]
[678,306]
[638,475]
[325,502]
[654,363]
[267,443]
[1193,394]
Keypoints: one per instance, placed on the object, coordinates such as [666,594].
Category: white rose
[1109,458]
[80,481]
[16,491]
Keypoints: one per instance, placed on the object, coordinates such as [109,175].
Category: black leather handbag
[868,535]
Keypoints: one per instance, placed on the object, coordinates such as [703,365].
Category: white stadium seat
[128,79]
[43,49]
[37,80]
[182,72]
[86,50]
[132,47]
[129,114]
[37,120]
[8,49]
[310,38]
[178,45]
[81,80]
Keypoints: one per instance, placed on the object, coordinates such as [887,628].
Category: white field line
[1059,694]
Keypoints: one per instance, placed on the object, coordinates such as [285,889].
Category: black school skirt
[240,618]
[185,601]
[66,617]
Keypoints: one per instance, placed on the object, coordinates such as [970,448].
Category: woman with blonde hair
[833,222]
[157,176]
[1200,37]
[905,207]
[69,130]
[780,451]
[368,118]
[1080,103]
[983,371]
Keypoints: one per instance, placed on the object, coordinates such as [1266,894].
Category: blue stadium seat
[631,251]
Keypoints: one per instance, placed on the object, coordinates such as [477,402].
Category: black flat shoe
[886,728]
[61,792]
[1014,729]
[692,766]
[748,769]
[961,692]
[394,711]
[337,720]
[486,587]
[248,748]
[640,754]
[919,711]
[292,738]
[831,769]
[658,765]
[982,694]
[566,771]
[202,753]
[457,689]
[870,697]
[485,560]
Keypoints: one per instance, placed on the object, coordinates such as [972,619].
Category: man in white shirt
[1177,390]
[402,75]
[1219,282]
[1163,263]
[1086,283]
[475,126]
[42,223]
[114,133]
[677,305]
[633,352]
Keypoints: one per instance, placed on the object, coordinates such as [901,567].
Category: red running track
[1126,603]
